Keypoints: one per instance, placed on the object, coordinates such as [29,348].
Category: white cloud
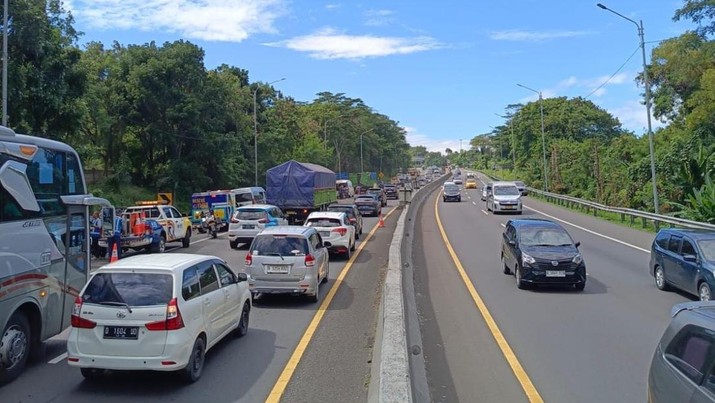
[517,35]
[377,18]
[582,86]
[211,20]
[633,117]
[416,139]
[330,44]
[332,6]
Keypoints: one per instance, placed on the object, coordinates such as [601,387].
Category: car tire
[704,292]
[315,297]
[243,321]
[506,269]
[17,330]
[352,248]
[234,245]
[186,242]
[159,247]
[348,253]
[192,372]
[580,286]
[93,374]
[327,273]
[520,284]
[660,280]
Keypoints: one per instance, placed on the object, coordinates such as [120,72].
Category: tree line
[155,116]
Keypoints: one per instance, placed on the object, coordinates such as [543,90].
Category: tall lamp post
[543,136]
[513,141]
[641,35]
[255,132]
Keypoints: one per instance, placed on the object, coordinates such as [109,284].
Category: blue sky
[443,70]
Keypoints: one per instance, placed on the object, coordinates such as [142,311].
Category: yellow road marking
[531,393]
[285,376]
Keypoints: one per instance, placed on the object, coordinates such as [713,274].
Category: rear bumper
[513,208]
[305,286]
[452,198]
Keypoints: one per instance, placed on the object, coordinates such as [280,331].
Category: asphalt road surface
[589,346]
[334,366]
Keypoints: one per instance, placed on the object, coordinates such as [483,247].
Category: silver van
[504,197]
[287,260]
[249,195]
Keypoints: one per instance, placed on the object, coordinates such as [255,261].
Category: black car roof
[693,233]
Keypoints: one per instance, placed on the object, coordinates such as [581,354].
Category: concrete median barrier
[398,370]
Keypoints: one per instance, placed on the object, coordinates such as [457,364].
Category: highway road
[328,347]
[568,346]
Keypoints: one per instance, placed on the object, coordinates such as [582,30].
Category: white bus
[44,244]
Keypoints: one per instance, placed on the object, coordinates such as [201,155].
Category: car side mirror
[241,277]
[512,243]
[577,244]
[690,258]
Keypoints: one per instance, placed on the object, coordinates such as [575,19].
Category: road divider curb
[398,372]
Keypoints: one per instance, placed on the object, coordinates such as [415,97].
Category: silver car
[248,221]
[486,189]
[683,366]
[287,260]
[504,197]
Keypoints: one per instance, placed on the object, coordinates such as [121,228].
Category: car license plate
[509,207]
[555,273]
[249,227]
[277,269]
[121,332]
[324,234]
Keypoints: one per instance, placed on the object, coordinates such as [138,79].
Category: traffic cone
[115,255]
[381,223]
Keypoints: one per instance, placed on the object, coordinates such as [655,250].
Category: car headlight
[577,259]
[527,259]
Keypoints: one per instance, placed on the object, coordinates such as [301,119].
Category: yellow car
[471,184]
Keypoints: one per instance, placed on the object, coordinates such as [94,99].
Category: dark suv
[684,259]
[391,192]
[380,195]
[541,252]
[683,366]
[353,213]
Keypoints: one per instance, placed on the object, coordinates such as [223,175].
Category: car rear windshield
[708,248]
[133,289]
[545,237]
[250,214]
[451,188]
[365,198]
[506,191]
[279,245]
[322,222]
[340,209]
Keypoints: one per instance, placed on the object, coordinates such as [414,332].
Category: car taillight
[77,320]
[342,231]
[263,221]
[353,220]
[249,259]
[309,260]
[173,319]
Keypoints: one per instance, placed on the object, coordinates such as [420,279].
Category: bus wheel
[14,347]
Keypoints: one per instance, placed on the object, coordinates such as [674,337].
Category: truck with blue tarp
[299,188]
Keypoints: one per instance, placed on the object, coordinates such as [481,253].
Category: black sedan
[541,252]
[391,192]
[368,204]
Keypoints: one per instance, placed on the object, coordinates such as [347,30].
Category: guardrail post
[623,217]
[595,212]
[632,219]
[656,224]
[644,222]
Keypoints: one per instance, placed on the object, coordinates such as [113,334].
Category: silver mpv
[287,260]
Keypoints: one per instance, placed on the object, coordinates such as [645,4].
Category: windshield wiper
[124,304]
[275,254]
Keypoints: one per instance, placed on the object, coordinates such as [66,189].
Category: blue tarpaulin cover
[291,184]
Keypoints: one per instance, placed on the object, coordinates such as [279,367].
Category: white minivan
[249,195]
[345,183]
[156,312]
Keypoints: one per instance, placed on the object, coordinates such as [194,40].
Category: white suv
[335,230]
[504,197]
[156,312]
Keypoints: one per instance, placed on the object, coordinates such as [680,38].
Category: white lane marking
[58,359]
[589,231]
[485,213]
[502,224]
[474,203]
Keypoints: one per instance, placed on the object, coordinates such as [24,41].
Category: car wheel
[14,347]
[159,247]
[348,253]
[580,286]
[660,278]
[186,242]
[192,371]
[327,273]
[520,284]
[352,248]
[93,374]
[315,297]
[704,292]
[506,268]
[234,245]
[242,328]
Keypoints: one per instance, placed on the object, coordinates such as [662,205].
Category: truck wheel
[160,246]
[187,239]
[14,347]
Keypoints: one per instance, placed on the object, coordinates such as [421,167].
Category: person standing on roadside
[95,230]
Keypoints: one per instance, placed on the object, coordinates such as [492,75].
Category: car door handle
[207,301]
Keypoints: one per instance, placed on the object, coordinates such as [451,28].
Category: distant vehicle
[683,363]
[684,259]
[391,192]
[380,193]
[176,227]
[541,252]
[223,203]
[44,243]
[299,188]
[486,190]
[522,187]
[368,204]
[287,260]
[347,184]
[457,179]
[160,313]
[504,198]
[471,183]
[353,213]
[470,175]
[248,221]
[337,233]
[450,191]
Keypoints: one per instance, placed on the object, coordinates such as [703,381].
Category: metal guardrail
[632,214]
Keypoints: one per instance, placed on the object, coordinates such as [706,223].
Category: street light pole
[543,136]
[641,36]
[255,132]
[513,140]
